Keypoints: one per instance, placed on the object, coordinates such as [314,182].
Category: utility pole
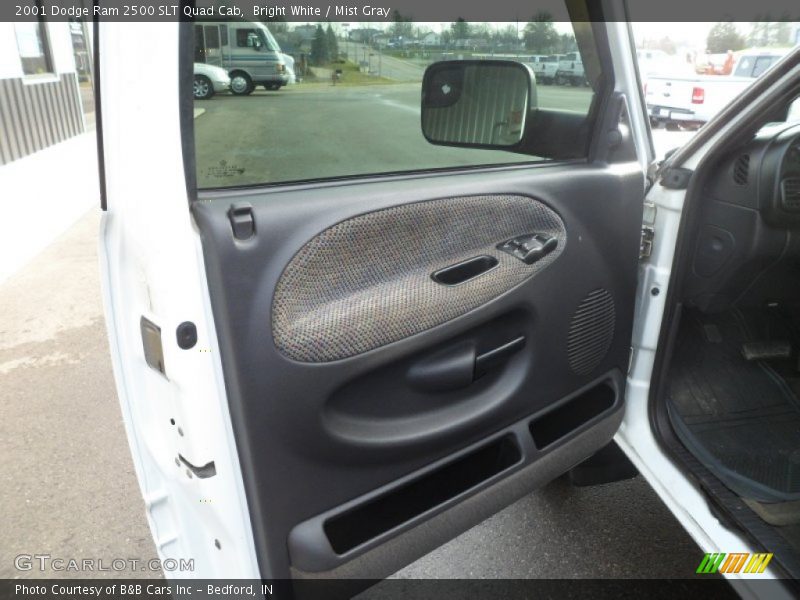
[346,29]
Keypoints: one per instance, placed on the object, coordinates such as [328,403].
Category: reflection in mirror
[476,103]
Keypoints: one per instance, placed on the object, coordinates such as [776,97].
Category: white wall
[43,193]
[60,46]
[10,65]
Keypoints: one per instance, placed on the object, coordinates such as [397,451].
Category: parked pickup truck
[570,70]
[690,101]
[545,68]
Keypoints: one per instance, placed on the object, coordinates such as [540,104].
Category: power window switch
[529,248]
[537,247]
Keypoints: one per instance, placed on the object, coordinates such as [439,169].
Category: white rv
[246,50]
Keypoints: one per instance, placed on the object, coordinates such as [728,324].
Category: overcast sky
[690,34]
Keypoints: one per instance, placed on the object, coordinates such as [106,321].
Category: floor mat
[740,418]
[780,514]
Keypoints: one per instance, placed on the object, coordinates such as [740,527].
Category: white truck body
[694,99]
[570,70]
[545,67]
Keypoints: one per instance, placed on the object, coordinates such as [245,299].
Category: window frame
[248,32]
[210,38]
[43,32]
[757,70]
[601,99]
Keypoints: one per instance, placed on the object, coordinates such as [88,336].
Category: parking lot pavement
[68,488]
[620,530]
[319,130]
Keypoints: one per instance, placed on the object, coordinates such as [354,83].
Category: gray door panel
[378,412]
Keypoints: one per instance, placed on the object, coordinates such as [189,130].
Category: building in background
[48,156]
[45,83]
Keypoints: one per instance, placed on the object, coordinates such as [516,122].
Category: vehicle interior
[729,403]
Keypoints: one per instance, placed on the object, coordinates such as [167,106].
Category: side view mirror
[477,103]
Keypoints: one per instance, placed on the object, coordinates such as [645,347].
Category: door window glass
[331,101]
[247,38]
[34,47]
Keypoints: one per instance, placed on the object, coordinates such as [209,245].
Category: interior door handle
[464,271]
[458,367]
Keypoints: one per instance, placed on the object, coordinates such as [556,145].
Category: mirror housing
[477,103]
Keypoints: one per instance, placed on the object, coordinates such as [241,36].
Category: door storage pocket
[366,521]
[572,414]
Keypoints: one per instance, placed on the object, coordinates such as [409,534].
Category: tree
[421,31]
[276,24]
[665,43]
[506,35]
[759,33]
[766,32]
[782,33]
[319,48]
[566,43]
[401,26]
[540,34]
[459,30]
[723,37]
[332,43]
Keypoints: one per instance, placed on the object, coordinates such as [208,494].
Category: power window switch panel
[530,247]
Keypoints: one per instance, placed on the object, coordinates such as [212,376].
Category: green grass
[351,75]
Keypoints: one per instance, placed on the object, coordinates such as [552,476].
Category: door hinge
[648,230]
[646,245]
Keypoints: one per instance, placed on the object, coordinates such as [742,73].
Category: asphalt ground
[319,130]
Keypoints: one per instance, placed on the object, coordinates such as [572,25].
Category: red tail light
[698,95]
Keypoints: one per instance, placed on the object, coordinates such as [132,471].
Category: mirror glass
[476,102]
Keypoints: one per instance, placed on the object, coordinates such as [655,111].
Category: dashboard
[791,163]
[764,175]
[747,235]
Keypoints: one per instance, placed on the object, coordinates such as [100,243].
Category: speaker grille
[591,331]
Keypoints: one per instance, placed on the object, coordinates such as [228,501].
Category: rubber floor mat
[740,418]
